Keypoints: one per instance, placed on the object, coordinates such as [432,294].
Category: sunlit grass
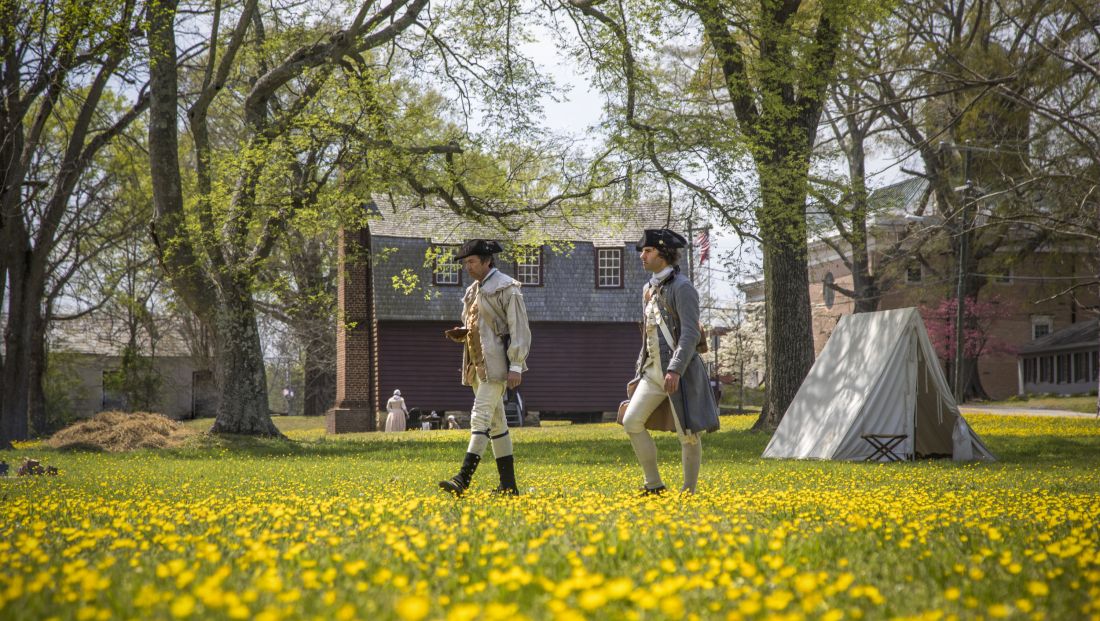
[353,527]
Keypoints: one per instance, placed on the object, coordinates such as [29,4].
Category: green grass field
[353,528]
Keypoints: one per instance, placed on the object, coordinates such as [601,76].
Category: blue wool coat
[693,403]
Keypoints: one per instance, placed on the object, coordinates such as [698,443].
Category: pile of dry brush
[121,431]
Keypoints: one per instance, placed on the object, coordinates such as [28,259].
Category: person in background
[397,414]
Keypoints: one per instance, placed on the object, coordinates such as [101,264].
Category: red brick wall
[356,339]
[1035,281]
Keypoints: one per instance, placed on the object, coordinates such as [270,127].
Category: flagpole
[704,242]
[710,296]
[691,253]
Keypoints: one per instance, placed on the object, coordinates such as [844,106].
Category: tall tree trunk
[36,394]
[13,413]
[18,347]
[787,319]
[4,440]
[239,362]
[863,282]
[788,332]
[24,403]
[29,229]
[971,378]
[238,357]
[779,110]
[16,379]
[973,381]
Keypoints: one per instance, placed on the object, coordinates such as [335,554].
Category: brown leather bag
[659,420]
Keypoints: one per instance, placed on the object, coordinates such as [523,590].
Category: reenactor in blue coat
[671,388]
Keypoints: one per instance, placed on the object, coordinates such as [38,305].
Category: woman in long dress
[398,414]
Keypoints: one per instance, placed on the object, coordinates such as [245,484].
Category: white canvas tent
[878,374]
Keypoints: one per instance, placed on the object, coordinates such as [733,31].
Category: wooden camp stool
[884,445]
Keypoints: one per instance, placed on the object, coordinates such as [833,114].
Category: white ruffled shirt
[659,276]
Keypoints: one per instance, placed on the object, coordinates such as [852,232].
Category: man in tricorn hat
[496,341]
[670,382]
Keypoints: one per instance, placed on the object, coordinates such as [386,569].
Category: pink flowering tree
[977,338]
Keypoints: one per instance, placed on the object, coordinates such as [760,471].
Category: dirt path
[1004,410]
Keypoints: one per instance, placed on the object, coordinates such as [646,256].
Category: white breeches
[487,420]
[647,396]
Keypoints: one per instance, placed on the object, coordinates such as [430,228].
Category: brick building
[1027,290]
[581,282]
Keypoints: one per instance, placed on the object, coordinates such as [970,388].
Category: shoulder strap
[647,296]
[667,335]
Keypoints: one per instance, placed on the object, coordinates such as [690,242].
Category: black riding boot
[458,484]
[506,469]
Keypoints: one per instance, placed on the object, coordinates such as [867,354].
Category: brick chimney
[356,338]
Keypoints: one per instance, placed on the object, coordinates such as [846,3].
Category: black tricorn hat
[478,246]
[661,238]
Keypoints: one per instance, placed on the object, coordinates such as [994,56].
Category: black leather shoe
[459,483]
[507,471]
[452,486]
[654,491]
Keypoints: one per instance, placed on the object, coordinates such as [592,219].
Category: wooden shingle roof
[605,226]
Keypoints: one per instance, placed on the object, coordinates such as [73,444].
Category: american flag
[702,242]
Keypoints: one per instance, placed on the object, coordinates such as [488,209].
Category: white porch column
[1020,376]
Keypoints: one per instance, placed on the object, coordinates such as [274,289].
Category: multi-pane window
[528,265]
[1063,368]
[609,267]
[445,270]
[1081,371]
[1046,369]
[1041,325]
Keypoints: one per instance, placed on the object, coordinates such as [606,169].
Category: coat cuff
[676,365]
[516,368]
